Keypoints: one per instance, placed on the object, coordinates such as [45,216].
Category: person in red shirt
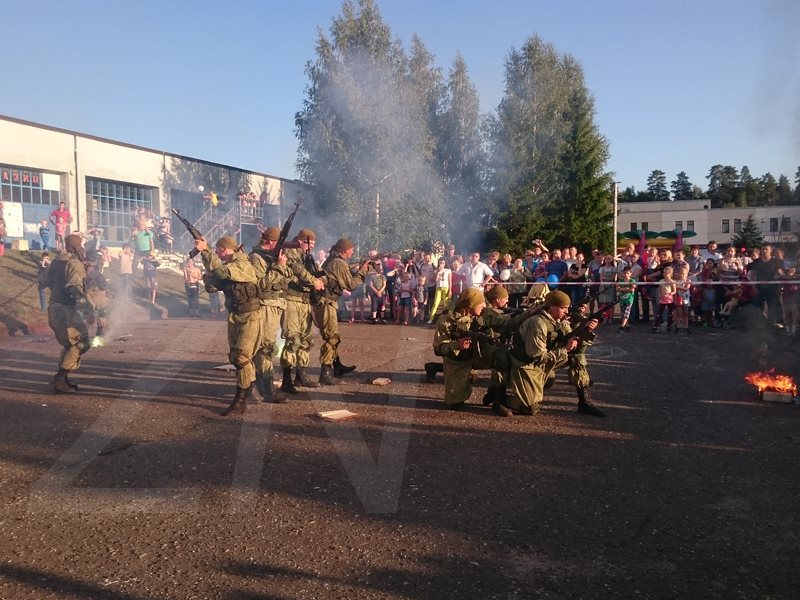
[63,212]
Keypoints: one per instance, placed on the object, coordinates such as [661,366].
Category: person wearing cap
[338,277]
[229,270]
[455,342]
[542,345]
[297,318]
[69,305]
[273,276]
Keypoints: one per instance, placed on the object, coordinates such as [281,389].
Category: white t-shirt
[443,279]
[475,276]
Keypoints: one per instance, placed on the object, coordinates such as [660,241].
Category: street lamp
[615,225]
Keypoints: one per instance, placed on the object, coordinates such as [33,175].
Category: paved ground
[137,489]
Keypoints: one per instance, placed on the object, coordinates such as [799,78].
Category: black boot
[340,370]
[270,393]
[287,387]
[260,389]
[585,404]
[60,383]
[302,380]
[431,369]
[497,396]
[326,375]
[239,404]
[74,386]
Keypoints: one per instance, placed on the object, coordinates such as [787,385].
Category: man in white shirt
[711,252]
[476,273]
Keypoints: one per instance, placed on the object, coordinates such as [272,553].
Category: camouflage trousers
[326,320]
[71,332]
[271,317]
[99,300]
[244,336]
[457,383]
[528,380]
[298,331]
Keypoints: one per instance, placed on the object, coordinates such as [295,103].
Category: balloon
[505,275]
[201,188]
[540,280]
[552,279]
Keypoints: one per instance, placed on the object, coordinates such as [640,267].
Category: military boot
[239,404]
[498,399]
[287,386]
[60,383]
[585,404]
[326,375]
[260,389]
[431,369]
[74,386]
[270,393]
[340,370]
[302,380]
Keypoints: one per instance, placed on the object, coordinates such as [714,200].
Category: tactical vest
[57,274]
[241,297]
[518,344]
[270,287]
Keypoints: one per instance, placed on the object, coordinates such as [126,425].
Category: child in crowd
[666,300]
[457,279]
[192,276]
[44,262]
[405,291]
[683,299]
[376,288]
[44,234]
[150,266]
[709,299]
[3,234]
[61,232]
[420,299]
[626,286]
[791,290]
[125,269]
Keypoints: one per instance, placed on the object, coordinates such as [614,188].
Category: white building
[104,182]
[779,224]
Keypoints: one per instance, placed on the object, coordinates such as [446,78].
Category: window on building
[633,226]
[678,225]
[773,225]
[18,184]
[737,226]
[786,224]
[726,225]
[111,205]
[644,225]
[689,225]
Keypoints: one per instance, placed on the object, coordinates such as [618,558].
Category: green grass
[19,296]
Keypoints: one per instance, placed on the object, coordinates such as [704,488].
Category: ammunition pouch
[244,297]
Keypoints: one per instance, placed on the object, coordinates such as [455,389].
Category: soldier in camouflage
[273,276]
[297,319]
[68,308]
[337,277]
[229,270]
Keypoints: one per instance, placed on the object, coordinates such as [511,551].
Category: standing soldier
[297,319]
[542,345]
[337,279]
[457,341]
[97,286]
[229,270]
[66,278]
[272,279]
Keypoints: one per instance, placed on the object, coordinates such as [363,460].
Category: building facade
[105,183]
[779,224]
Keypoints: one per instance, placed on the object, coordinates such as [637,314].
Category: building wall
[69,158]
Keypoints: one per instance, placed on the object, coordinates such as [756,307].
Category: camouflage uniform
[66,278]
[97,293]
[337,278]
[455,324]
[272,281]
[243,306]
[297,318]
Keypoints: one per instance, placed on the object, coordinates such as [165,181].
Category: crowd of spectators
[668,289]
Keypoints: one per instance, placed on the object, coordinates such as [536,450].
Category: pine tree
[750,237]
[657,186]
[681,187]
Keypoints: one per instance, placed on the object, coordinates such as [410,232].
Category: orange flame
[772,382]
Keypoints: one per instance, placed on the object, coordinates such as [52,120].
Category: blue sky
[678,85]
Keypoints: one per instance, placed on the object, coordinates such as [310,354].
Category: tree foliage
[657,186]
[750,235]
[681,187]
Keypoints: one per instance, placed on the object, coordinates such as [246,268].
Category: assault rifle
[281,243]
[191,229]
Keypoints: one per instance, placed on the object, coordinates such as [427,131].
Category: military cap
[306,234]
[471,298]
[227,241]
[557,298]
[343,245]
[496,293]
[73,242]
[270,234]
